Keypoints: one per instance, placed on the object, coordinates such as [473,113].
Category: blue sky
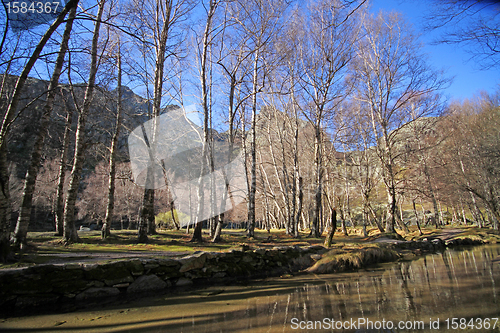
[469,79]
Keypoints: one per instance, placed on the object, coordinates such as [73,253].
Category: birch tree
[112,154]
[262,22]
[34,166]
[230,55]
[393,76]
[331,31]
[472,154]
[9,117]
[155,22]
[61,178]
[207,110]
[70,234]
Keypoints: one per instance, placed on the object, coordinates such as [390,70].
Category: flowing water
[454,291]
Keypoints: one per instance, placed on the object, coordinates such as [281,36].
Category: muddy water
[419,296]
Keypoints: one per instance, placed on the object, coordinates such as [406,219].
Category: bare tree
[70,233]
[261,21]
[112,154]
[9,116]
[363,159]
[59,206]
[155,23]
[393,78]
[422,142]
[30,180]
[327,48]
[474,24]
[231,55]
[207,157]
[472,151]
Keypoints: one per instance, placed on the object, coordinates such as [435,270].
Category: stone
[147,283]
[97,293]
[110,274]
[247,259]
[151,265]
[30,284]
[69,285]
[169,262]
[121,285]
[315,248]
[135,267]
[119,280]
[183,282]
[170,269]
[316,257]
[303,261]
[193,262]
[36,300]
[98,284]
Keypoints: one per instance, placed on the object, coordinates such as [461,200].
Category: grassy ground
[46,247]
[167,240]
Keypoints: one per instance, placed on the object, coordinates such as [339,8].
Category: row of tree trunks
[29,184]
[5,200]
[70,233]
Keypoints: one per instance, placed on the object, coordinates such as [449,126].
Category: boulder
[183,282]
[195,261]
[97,293]
[147,283]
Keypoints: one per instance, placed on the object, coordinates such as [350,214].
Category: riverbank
[66,286]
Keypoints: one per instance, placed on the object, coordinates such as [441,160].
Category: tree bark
[432,195]
[147,216]
[5,204]
[59,210]
[106,228]
[70,234]
[30,181]
[319,180]
[253,148]
[220,221]
[207,147]
[416,218]
[333,226]
[299,205]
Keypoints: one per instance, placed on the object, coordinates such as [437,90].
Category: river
[453,291]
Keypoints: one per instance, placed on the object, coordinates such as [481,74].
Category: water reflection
[428,291]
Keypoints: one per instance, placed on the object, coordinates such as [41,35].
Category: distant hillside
[100,126]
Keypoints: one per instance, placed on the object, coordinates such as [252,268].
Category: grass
[168,241]
[46,246]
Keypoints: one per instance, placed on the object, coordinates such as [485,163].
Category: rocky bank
[65,287]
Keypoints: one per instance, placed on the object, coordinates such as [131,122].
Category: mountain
[100,124]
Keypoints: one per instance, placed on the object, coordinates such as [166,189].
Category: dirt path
[89,257]
[447,234]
